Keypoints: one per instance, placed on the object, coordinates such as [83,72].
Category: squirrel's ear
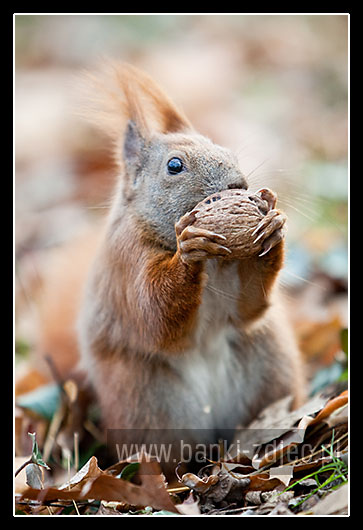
[132,146]
[133,143]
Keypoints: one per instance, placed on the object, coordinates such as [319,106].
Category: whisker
[249,141]
[257,167]
[309,199]
[301,278]
[106,205]
[264,180]
[281,176]
[228,296]
[307,208]
[310,218]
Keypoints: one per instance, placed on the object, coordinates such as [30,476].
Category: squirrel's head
[167,174]
[166,167]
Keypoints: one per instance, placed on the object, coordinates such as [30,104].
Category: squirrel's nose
[238,183]
[233,181]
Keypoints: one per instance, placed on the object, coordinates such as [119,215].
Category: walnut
[235,214]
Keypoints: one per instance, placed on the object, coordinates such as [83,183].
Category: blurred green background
[274,88]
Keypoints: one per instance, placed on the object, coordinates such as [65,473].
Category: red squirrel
[171,335]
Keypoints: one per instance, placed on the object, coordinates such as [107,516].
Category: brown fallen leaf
[200,485]
[231,487]
[224,485]
[29,380]
[89,471]
[338,417]
[102,486]
[332,405]
[263,482]
[315,463]
[320,340]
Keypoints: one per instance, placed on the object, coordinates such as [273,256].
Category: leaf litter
[283,463]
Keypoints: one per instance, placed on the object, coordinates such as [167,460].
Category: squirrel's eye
[175,165]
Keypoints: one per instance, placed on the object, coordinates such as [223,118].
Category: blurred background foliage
[274,88]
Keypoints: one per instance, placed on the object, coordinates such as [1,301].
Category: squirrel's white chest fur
[210,386]
[212,377]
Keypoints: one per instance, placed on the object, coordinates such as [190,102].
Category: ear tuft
[119,93]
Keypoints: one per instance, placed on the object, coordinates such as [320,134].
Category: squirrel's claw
[270,231]
[185,221]
[197,244]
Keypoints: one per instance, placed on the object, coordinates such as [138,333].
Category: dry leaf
[263,482]
[200,485]
[304,466]
[34,476]
[335,502]
[283,473]
[151,492]
[331,406]
[320,339]
[29,380]
[338,416]
[89,471]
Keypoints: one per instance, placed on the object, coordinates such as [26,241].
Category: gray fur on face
[161,198]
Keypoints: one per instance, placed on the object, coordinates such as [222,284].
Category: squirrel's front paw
[270,231]
[197,244]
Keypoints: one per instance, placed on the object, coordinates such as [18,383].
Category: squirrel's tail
[119,92]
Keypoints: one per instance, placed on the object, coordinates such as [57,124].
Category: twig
[180,489]
[76,450]
[54,370]
[93,430]
[30,461]
[54,427]
[57,504]
[69,478]
[230,511]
